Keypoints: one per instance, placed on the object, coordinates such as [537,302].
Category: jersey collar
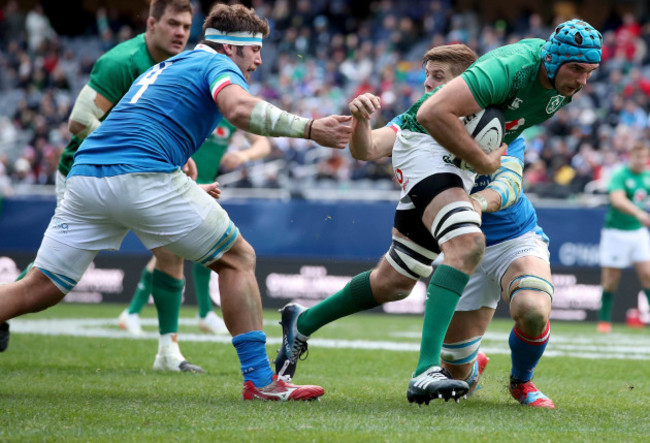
[203,47]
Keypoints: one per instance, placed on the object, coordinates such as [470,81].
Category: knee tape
[460,353]
[530,283]
[455,219]
[410,259]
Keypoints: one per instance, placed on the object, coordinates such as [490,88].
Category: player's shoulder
[125,50]
[126,56]
[515,56]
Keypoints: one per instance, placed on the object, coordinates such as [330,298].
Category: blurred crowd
[318,56]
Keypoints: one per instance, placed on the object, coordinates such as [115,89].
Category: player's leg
[367,290]
[35,292]
[59,189]
[210,238]
[610,278]
[129,319]
[643,271]
[527,285]
[61,259]
[617,249]
[167,291]
[57,269]
[641,259]
[208,320]
[461,353]
[456,226]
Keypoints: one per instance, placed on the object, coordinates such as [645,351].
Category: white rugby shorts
[484,288]
[162,209]
[417,156]
[59,186]
[620,249]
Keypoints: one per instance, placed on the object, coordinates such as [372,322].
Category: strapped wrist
[482,201]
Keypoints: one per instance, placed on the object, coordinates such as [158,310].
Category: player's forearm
[373,144]
[623,204]
[258,116]
[260,147]
[361,140]
[488,199]
[86,115]
[506,182]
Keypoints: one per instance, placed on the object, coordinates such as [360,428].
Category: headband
[244,38]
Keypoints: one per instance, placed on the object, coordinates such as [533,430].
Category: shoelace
[299,348]
[442,374]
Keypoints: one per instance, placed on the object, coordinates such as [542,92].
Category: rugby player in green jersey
[528,81]
[624,239]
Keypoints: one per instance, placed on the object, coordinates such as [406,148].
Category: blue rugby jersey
[163,119]
[512,221]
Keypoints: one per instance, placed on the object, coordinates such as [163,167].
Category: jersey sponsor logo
[515,104]
[452,160]
[399,176]
[515,124]
[60,225]
[640,195]
[554,104]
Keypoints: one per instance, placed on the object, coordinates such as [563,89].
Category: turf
[60,387]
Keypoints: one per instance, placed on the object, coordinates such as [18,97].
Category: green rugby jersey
[209,155]
[506,78]
[636,187]
[112,76]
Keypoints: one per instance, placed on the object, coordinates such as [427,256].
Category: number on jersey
[149,79]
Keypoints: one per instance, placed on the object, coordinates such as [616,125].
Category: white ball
[487,127]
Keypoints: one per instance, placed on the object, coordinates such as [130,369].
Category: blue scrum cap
[572,41]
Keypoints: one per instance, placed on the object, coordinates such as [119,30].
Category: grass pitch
[92,382]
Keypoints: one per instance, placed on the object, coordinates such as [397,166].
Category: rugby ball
[487,127]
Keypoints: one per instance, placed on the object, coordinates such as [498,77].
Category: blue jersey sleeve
[223,72]
[395,123]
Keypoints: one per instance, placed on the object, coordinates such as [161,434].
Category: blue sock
[526,352]
[255,364]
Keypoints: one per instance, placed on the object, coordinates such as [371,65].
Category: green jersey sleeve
[617,181]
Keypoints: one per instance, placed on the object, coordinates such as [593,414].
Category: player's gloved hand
[212,189]
[363,106]
[190,169]
[333,131]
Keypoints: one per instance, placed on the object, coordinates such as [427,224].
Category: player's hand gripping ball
[487,127]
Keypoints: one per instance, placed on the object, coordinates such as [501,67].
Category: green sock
[606,301]
[167,293]
[356,296]
[647,294]
[25,271]
[201,276]
[444,291]
[142,292]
